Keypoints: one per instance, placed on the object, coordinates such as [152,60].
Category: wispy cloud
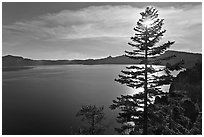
[102,21]
[183,24]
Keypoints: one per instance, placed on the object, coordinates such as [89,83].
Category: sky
[83,30]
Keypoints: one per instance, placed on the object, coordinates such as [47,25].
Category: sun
[148,23]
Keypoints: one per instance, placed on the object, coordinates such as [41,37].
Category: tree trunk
[145,89]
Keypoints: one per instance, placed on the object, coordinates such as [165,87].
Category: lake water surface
[45,99]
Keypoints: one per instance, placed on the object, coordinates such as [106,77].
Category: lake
[45,99]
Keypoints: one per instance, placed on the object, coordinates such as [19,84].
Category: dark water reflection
[45,99]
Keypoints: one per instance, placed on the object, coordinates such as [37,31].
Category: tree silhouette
[93,115]
[148,31]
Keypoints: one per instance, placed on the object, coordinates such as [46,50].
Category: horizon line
[91,58]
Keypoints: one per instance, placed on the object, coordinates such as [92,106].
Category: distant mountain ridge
[189,58]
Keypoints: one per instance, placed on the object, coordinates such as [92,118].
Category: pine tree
[94,116]
[148,32]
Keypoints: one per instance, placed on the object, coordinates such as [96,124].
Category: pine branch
[135,52]
[157,50]
[135,45]
[138,40]
[156,38]
[135,67]
[135,57]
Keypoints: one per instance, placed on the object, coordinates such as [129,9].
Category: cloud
[183,24]
[102,21]
[179,21]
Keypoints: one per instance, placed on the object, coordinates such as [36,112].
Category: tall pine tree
[148,32]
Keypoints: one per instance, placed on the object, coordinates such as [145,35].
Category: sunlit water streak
[164,88]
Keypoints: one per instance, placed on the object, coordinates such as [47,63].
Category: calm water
[45,99]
